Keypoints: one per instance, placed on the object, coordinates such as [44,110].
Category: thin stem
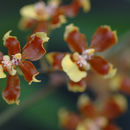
[34,98]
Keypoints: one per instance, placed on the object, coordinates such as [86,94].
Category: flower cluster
[49,16]
[84,58]
[33,50]
[94,115]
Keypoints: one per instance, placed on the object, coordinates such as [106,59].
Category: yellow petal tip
[69,28]
[34,79]
[42,35]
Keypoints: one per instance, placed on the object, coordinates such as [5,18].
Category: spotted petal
[34,49]
[12,91]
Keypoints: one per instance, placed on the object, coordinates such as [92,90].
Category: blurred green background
[43,114]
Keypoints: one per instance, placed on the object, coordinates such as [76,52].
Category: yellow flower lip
[2,74]
[72,70]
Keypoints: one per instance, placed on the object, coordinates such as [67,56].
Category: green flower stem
[41,94]
[34,98]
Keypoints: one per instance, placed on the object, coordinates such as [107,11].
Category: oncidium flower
[94,115]
[49,16]
[114,106]
[82,58]
[120,83]
[33,50]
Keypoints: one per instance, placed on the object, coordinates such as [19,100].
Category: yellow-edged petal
[69,28]
[111,73]
[86,5]
[121,101]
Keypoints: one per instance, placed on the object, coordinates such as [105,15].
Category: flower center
[81,60]
[7,62]
[16,59]
[88,53]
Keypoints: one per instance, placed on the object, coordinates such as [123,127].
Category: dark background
[43,114]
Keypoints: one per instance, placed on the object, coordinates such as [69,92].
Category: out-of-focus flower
[94,115]
[82,58]
[45,17]
[33,50]
[69,120]
[120,83]
[114,106]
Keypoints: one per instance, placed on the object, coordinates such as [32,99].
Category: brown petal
[115,106]
[125,85]
[100,65]
[75,40]
[11,43]
[68,120]
[77,86]
[34,49]
[72,9]
[57,20]
[1,56]
[41,27]
[103,39]
[86,107]
[26,23]
[111,127]
[29,71]
[12,91]
[54,59]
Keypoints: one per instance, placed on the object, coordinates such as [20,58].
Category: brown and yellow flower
[33,50]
